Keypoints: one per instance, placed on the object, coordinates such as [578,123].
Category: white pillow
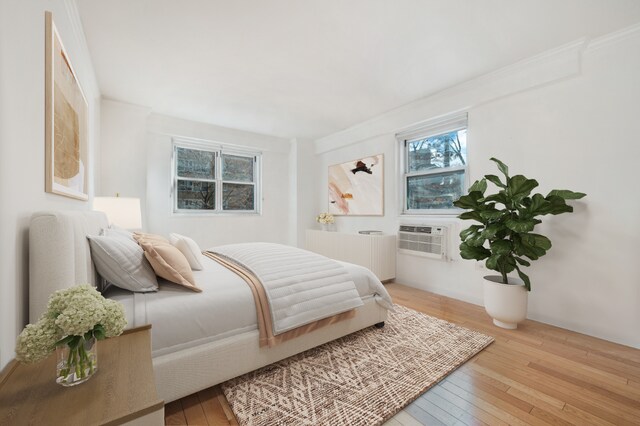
[121,261]
[189,248]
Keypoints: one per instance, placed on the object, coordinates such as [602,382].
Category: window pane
[237,169]
[446,150]
[434,191]
[237,196]
[196,195]
[194,163]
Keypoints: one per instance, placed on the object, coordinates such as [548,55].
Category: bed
[198,339]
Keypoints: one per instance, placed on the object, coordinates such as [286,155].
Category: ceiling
[309,68]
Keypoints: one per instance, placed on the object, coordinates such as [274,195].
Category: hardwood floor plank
[173,414]
[211,406]
[436,411]
[549,418]
[228,412]
[193,411]
[405,419]
[480,402]
[514,384]
[422,416]
[587,417]
[612,392]
[472,410]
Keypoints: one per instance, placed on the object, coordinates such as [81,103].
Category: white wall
[136,155]
[22,143]
[568,119]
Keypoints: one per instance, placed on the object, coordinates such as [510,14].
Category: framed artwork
[66,121]
[356,188]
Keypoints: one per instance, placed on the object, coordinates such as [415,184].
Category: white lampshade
[121,211]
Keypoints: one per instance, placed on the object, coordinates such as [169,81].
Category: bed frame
[59,258]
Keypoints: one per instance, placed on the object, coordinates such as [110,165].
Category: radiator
[375,252]
[423,240]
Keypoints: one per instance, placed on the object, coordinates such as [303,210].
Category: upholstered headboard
[59,255]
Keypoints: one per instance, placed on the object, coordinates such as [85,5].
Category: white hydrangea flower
[82,313]
[114,320]
[37,341]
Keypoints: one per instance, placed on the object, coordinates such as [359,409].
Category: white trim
[613,38]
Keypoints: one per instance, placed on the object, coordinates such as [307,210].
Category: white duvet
[181,318]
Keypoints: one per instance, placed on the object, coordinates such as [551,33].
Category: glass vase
[76,363]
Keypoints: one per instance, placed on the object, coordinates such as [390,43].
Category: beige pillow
[154,238]
[169,263]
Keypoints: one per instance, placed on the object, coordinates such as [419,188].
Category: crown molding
[542,69]
[614,37]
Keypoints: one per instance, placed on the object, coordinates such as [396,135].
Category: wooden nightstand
[123,391]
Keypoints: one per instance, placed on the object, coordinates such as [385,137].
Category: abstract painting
[356,187]
[66,121]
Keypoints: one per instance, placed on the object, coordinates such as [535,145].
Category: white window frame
[218,149]
[432,128]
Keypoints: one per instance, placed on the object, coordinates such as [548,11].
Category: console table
[376,252]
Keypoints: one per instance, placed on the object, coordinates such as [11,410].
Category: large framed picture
[66,121]
[356,188]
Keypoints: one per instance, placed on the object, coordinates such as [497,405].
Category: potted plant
[504,237]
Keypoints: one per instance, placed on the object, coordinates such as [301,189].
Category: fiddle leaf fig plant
[504,235]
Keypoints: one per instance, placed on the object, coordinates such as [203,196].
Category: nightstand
[123,391]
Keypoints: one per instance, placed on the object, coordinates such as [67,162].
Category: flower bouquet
[75,318]
[325,218]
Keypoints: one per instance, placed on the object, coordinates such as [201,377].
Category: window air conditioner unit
[423,240]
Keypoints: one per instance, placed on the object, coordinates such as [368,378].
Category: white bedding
[181,319]
[300,286]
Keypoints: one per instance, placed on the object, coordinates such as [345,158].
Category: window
[212,178]
[434,166]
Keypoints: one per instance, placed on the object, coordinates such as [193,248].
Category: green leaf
[501,247]
[557,205]
[492,214]
[495,180]
[469,231]
[520,225]
[501,166]
[64,341]
[479,185]
[472,215]
[500,197]
[471,252]
[567,195]
[99,332]
[519,187]
[491,230]
[522,261]
[524,277]
[492,262]
[469,201]
[536,240]
[538,205]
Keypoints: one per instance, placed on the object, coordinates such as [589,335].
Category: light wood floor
[538,374]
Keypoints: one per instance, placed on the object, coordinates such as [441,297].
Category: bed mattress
[182,319]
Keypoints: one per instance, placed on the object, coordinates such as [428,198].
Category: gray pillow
[121,262]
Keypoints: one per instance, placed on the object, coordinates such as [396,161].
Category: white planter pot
[505,303]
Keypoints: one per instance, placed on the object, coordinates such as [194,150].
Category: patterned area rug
[361,379]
